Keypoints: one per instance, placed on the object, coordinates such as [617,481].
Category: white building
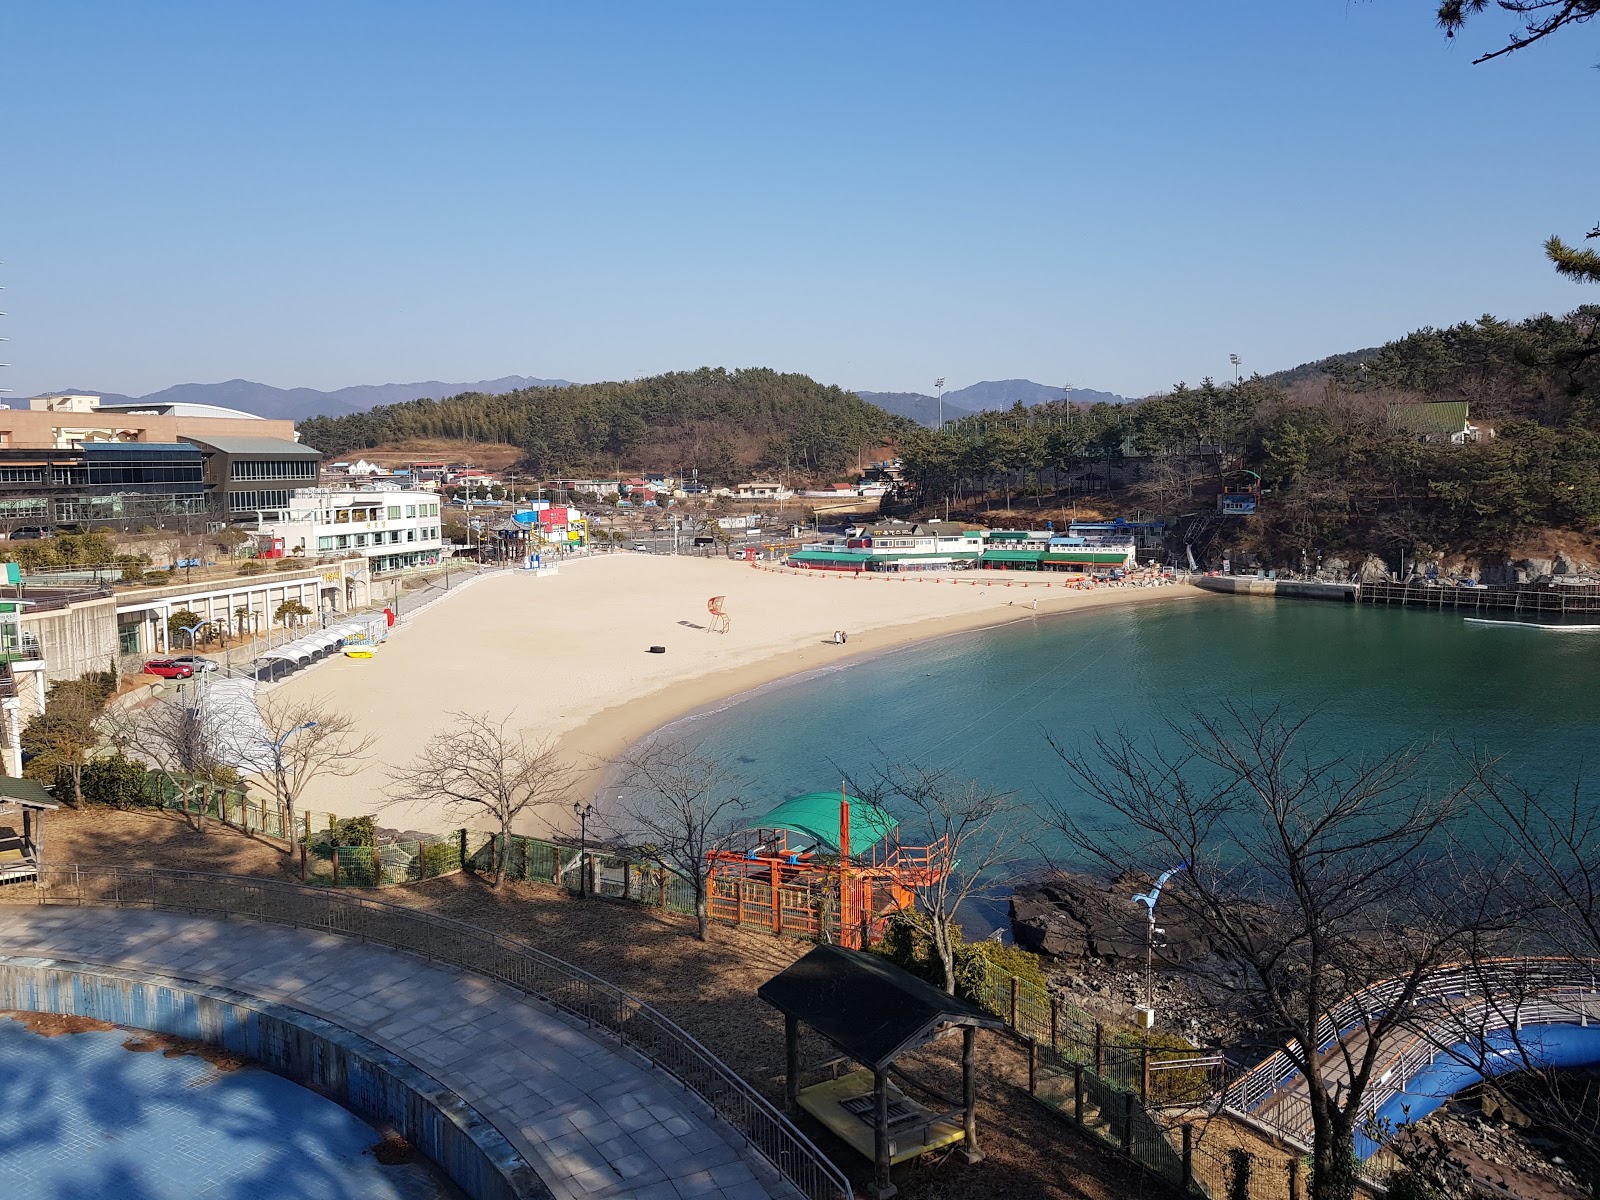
[392,529]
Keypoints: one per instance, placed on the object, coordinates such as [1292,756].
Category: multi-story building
[391,529]
[246,475]
[73,462]
[100,483]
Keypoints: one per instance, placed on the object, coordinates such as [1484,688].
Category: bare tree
[489,768]
[972,833]
[675,805]
[302,739]
[1318,879]
[1554,842]
[177,738]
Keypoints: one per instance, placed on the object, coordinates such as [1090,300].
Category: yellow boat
[358,652]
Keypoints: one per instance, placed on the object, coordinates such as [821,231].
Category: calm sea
[981,704]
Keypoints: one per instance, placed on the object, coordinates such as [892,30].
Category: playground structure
[720,621]
[797,866]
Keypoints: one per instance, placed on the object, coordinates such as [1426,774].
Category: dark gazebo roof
[27,792]
[869,1008]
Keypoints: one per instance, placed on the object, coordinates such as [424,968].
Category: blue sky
[315,194]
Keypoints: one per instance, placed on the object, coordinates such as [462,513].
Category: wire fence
[601,1005]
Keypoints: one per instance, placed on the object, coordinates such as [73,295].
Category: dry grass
[707,988]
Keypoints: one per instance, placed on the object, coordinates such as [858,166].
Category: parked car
[168,668]
[196,663]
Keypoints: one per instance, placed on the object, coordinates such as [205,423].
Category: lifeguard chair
[720,622]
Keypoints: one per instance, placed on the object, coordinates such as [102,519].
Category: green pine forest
[1336,476]
[721,423]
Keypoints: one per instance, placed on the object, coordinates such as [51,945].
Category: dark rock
[1071,916]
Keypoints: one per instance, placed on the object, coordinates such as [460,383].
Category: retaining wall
[381,1087]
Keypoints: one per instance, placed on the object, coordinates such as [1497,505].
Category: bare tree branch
[675,805]
[478,765]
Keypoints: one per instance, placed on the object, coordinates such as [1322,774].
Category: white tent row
[366,628]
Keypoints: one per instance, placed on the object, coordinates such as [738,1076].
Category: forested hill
[1330,445]
[720,422]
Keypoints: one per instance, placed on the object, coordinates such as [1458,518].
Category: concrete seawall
[1298,589]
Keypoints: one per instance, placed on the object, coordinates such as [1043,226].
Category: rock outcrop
[1074,917]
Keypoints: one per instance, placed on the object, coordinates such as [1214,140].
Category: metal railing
[1530,980]
[630,1020]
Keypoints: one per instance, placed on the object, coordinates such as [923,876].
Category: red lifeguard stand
[720,622]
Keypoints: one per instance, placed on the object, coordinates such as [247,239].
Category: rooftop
[866,1006]
[263,446]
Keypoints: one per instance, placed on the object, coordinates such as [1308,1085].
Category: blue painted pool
[83,1117]
[1503,1052]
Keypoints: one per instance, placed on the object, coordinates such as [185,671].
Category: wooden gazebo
[872,1012]
[23,804]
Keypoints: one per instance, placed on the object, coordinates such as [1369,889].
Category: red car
[168,669]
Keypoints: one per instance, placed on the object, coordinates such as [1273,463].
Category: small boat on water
[1549,626]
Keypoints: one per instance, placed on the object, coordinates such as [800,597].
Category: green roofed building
[1440,421]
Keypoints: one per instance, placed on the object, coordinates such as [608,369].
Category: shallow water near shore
[981,704]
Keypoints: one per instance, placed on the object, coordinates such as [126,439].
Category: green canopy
[1029,556]
[816,815]
[830,556]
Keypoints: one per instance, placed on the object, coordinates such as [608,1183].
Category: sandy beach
[568,654]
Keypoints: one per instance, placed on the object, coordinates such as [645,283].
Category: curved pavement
[593,1120]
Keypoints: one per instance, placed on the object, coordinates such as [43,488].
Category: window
[361,540]
[325,542]
[411,510]
[411,535]
[342,542]
[21,474]
[341,516]
[300,468]
[394,512]
[252,501]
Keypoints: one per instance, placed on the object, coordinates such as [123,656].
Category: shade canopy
[816,816]
[870,1009]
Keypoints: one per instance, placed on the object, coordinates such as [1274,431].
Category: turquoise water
[980,704]
[82,1117]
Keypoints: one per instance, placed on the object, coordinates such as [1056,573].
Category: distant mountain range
[296,404]
[988,396]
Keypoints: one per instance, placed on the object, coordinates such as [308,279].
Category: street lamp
[1237,362]
[583,812]
[1148,899]
[938,391]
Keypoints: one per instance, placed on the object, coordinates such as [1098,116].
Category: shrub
[355,831]
[117,782]
[289,564]
[251,566]
[438,858]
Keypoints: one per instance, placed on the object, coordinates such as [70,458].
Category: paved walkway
[592,1120]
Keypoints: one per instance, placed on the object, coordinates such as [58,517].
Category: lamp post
[1148,899]
[1237,362]
[583,812]
[938,391]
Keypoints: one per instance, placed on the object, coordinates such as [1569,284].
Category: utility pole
[938,391]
